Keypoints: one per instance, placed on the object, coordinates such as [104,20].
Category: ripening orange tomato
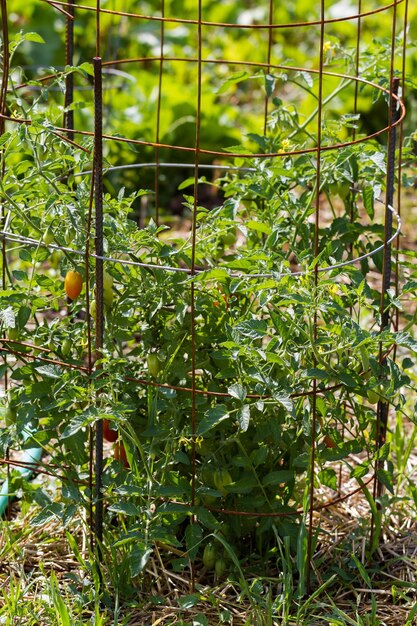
[108,433]
[120,453]
[73,284]
[328,442]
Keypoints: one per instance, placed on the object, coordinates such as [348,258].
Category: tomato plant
[242,319]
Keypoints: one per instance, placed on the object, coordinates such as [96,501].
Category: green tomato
[220,567]
[208,500]
[66,347]
[93,309]
[154,364]
[229,238]
[38,342]
[340,189]
[56,257]
[48,236]
[222,479]
[343,190]
[70,235]
[13,333]
[10,415]
[108,297]
[209,556]
[107,281]
[372,396]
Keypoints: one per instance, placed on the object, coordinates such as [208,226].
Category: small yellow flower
[286,145]
[327,47]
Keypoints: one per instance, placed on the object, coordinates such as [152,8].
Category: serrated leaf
[138,559]
[307,78]
[386,479]
[8,318]
[368,201]
[404,339]
[188,601]
[214,416]
[255,329]
[49,371]
[42,518]
[207,518]
[315,372]
[237,391]
[284,401]
[126,508]
[244,417]
[328,478]
[232,80]
[77,422]
[278,477]
[193,538]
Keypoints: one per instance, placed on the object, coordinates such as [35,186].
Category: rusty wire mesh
[201,158]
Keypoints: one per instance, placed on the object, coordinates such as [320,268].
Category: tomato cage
[227,182]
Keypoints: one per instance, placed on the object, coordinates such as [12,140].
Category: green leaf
[307,78]
[328,478]
[237,391]
[60,607]
[87,68]
[25,255]
[188,601]
[193,538]
[126,508]
[232,80]
[138,559]
[284,401]
[200,620]
[207,518]
[269,84]
[254,329]
[244,417]
[404,339]
[33,37]
[19,275]
[278,477]
[23,316]
[49,371]
[212,418]
[368,201]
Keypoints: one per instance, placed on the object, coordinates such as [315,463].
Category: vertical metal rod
[352,194]
[400,155]
[98,201]
[193,268]
[270,42]
[3,106]
[382,407]
[316,280]
[358,41]
[6,67]
[69,60]
[89,357]
[158,113]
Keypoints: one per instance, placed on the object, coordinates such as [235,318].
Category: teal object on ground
[32,455]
